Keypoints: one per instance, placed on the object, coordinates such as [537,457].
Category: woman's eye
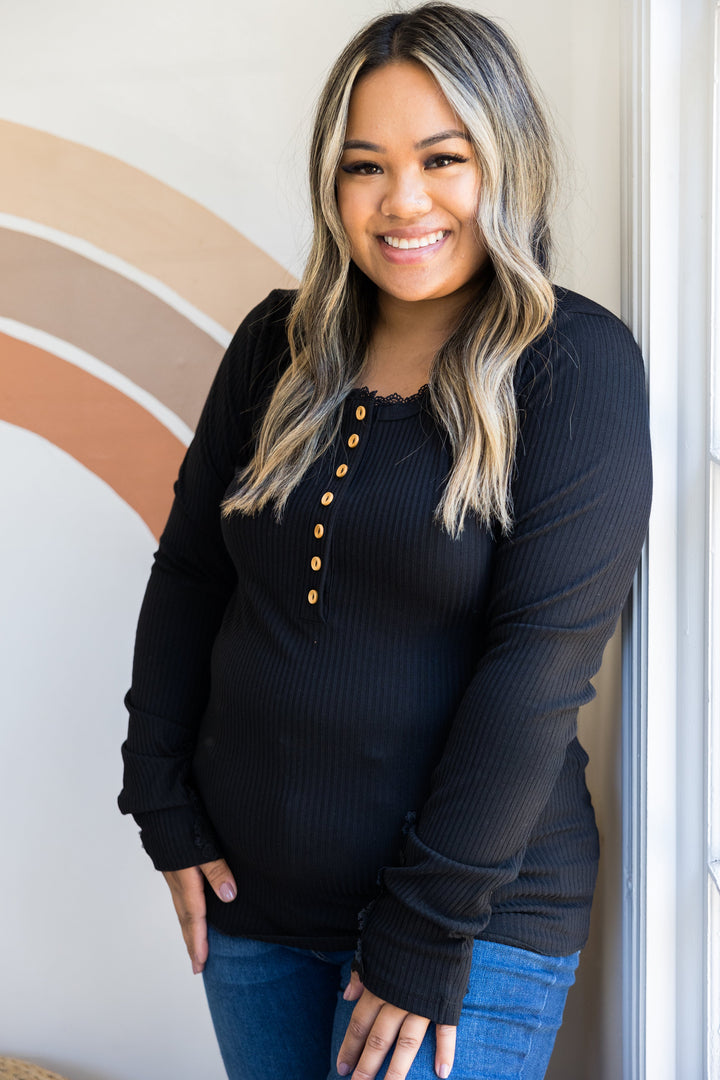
[362,168]
[440,161]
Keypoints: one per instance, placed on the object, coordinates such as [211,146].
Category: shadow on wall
[589,1044]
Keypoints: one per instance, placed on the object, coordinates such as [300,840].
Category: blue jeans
[279,1013]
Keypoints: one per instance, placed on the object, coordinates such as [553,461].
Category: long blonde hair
[330,325]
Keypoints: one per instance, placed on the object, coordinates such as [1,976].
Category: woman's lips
[411,249]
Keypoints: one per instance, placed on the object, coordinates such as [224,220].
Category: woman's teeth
[416,242]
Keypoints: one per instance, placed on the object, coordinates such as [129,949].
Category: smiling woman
[408,203]
[352,746]
[408,199]
[473,82]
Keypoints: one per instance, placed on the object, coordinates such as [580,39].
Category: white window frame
[713,742]
[667,302]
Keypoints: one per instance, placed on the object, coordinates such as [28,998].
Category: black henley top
[375,723]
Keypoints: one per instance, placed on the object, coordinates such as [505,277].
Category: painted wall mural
[118,296]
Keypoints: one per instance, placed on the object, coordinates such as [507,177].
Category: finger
[197,944]
[385,1032]
[194,930]
[354,988]
[445,1036]
[221,879]
[188,897]
[358,1029]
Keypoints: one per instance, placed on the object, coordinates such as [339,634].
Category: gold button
[312,596]
[360,412]
[327,498]
[341,470]
[316,562]
[353,440]
[319,531]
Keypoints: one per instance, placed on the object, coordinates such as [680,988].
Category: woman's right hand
[188,896]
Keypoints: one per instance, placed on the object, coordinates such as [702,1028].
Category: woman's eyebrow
[451,133]
[362,144]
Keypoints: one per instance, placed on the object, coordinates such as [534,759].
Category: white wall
[214,100]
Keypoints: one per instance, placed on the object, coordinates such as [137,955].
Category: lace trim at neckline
[389,399]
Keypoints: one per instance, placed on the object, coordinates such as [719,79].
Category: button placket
[318,560]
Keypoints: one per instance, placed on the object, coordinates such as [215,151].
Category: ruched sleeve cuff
[401,955]
[177,838]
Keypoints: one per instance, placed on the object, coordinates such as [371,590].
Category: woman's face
[408,186]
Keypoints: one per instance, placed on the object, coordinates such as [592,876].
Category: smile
[415,242]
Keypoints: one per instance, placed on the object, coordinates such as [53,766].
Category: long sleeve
[190,584]
[581,496]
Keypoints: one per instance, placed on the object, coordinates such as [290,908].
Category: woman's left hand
[376,1026]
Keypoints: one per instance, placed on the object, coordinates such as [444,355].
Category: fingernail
[343,1069]
[347,993]
[197,968]
[226,891]
[444,1072]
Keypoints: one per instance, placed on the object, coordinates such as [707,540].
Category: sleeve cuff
[177,838]
[412,963]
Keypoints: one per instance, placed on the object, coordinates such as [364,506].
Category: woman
[354,696]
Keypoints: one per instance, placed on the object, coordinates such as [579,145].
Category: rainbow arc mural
[117,297]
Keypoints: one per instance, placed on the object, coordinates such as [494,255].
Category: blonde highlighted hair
[330,325]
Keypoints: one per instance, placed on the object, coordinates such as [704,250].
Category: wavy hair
[330,325]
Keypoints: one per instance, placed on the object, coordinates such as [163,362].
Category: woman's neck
[405,339]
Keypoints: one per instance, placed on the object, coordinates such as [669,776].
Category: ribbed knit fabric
[369,720]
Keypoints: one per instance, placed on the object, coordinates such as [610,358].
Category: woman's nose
[406,196]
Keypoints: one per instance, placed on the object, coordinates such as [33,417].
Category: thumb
[354,988]
[220,877]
